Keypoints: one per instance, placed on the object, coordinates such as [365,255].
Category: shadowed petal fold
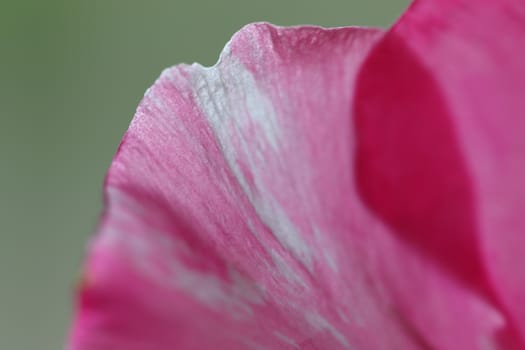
[441,159]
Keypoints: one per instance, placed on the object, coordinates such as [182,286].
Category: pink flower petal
[441,159]
[294,197]
[231,219]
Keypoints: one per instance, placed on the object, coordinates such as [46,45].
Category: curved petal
[441,160]
[232,221]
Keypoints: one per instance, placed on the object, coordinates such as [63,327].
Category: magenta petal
[231,219]
[441,159]
[323,189]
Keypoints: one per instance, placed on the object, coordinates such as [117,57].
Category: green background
[71,75]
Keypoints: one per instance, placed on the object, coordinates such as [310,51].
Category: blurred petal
[441,159]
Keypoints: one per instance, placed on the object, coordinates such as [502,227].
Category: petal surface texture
[441,160]
[323,189]
[231,217]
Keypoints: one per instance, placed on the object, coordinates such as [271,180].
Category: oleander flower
[346,188]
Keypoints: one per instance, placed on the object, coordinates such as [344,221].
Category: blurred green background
[71,75]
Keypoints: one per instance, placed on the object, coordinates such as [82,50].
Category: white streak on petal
[286,339]
[343,316]
[292,277]
[320,323]
[326,249]
[157,256]
[232,110]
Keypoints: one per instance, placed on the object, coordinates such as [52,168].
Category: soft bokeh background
[71,75]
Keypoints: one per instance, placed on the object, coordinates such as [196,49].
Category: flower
[345,188]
